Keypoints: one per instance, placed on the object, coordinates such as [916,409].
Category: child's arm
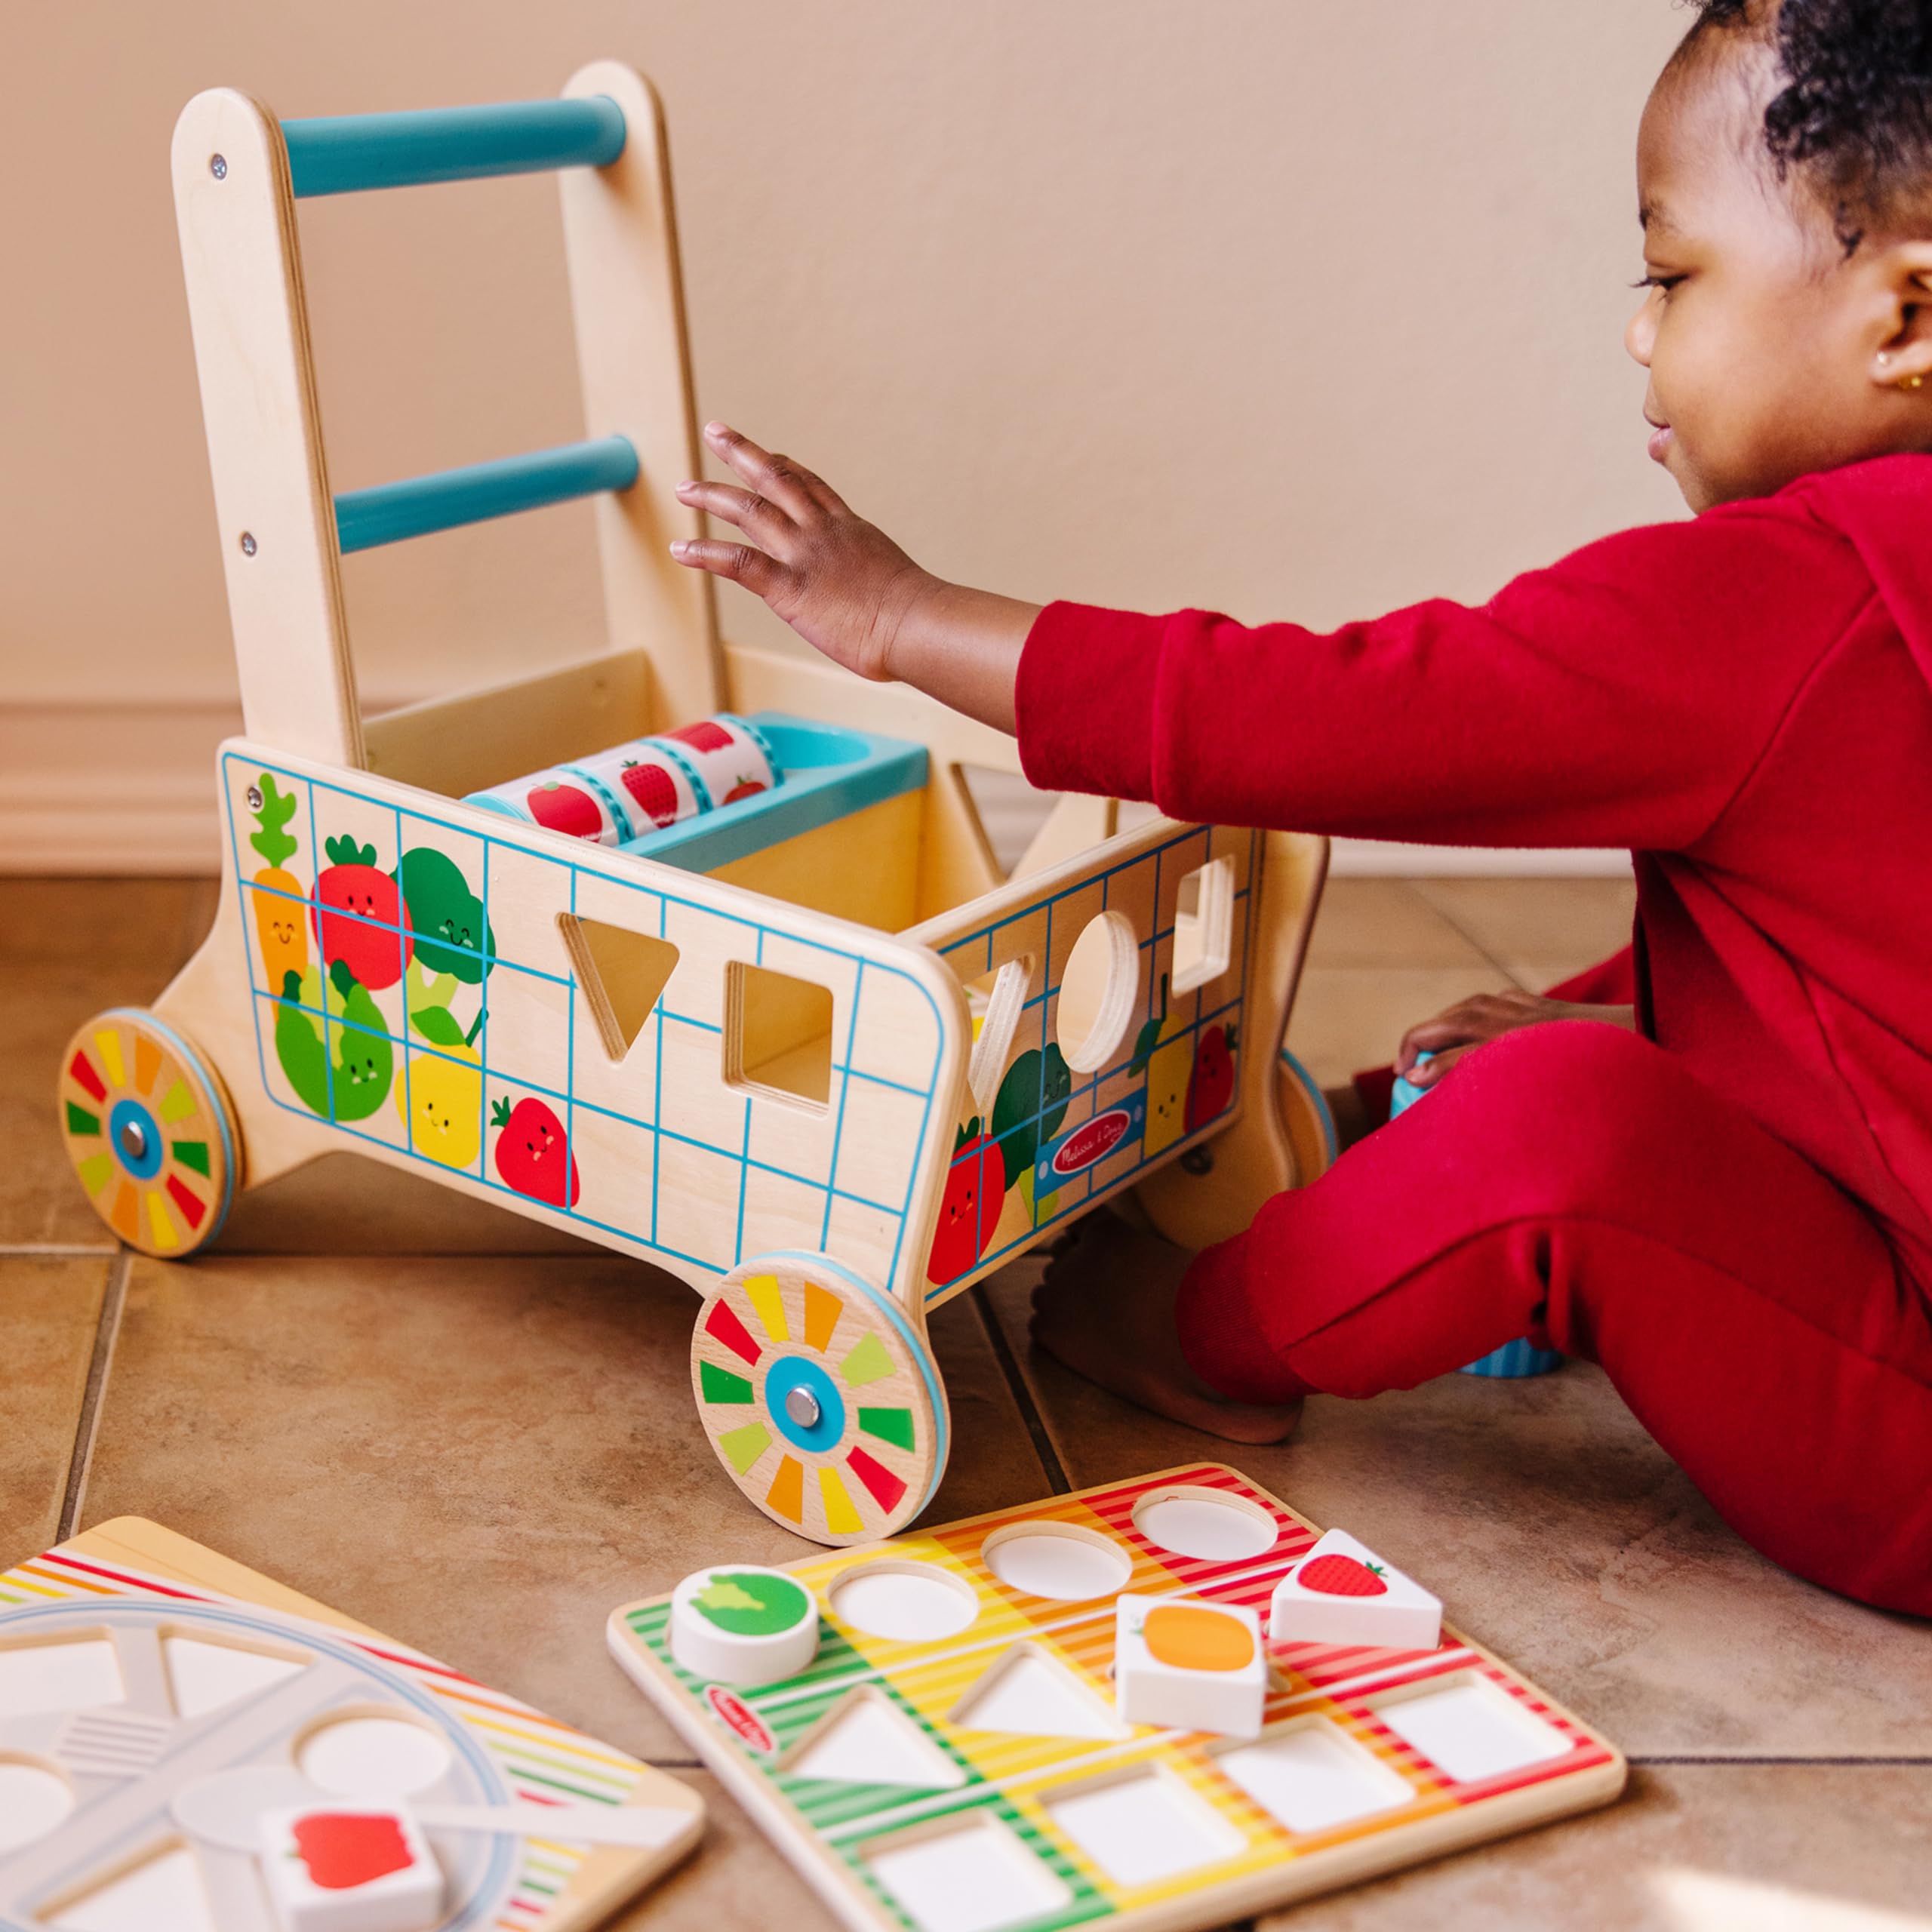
[844,586]
[1621,697]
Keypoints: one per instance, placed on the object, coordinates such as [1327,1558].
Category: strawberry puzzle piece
[1342,1592]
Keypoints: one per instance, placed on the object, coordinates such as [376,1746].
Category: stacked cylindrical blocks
[614,798]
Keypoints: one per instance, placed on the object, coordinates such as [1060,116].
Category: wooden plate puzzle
[162,1708]
[951,1760]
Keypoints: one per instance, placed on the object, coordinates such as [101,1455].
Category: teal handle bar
[343,154]
[389,511]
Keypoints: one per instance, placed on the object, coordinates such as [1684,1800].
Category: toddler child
[1727,1202]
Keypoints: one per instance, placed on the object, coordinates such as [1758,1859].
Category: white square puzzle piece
[1189,1666]
[1342,1592]
[351,1869]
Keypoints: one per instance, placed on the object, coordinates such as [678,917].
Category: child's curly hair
[1854,114]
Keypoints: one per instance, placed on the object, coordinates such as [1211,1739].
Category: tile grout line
[1746,1758]
[1023,1396]
[1467,937]
[106,1332]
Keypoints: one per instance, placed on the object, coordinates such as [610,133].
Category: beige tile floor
[479,1436]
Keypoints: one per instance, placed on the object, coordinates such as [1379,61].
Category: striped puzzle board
[132,1660]
[921,1788]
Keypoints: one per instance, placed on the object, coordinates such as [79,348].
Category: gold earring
[1912,382]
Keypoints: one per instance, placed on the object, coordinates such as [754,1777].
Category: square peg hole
[1145,1827]
[1471,1730]
[1315,1777]
[778,1034]
[971,1877]
[1204,925]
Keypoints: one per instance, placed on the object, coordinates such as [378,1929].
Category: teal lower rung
[389,511]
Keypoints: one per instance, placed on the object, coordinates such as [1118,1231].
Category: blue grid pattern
[850,1079]
[973,955]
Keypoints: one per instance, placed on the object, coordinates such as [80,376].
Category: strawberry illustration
[350,891]
[966,1217]
[744,788]
[532,1155]
[343,1849]
[559,807]
[657,796]
[704,736]
[1211,1087]
[1341,1577]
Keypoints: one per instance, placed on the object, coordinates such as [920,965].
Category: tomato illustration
[560,808]
[349,891]
[532,1155]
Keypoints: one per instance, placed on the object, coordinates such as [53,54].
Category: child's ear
[1902,357]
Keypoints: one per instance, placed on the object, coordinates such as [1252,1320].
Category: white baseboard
[100,787]
[1368,858]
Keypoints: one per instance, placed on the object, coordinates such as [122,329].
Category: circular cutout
[911,1603]
[1068,1564]
[1206,1523]
[34,1798]
[364,1756]
[1096,992]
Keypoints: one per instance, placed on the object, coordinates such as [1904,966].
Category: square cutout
[1144,1828]
[1471,1730]
[1204,925]
[1316,1777]
[971,1878]
[778,1034]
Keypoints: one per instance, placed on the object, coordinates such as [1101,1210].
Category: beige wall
[1294,307]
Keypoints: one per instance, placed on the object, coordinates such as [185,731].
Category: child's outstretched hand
[845,587]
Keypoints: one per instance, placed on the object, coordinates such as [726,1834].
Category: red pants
[1573,1176]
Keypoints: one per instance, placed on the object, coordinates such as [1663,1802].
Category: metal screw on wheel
[821,1397]
[148,1131]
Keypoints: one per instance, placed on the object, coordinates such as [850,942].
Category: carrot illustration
[280,897]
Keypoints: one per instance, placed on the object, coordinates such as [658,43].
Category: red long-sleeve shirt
[1741,699]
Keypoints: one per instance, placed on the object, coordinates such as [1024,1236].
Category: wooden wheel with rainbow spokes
[819,1395]
[148,1131]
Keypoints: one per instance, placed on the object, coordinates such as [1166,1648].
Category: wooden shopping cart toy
[698,951]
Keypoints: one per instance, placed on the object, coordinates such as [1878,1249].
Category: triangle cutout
[621,974]
[1028,1695]
[869,1741]
[204,1676]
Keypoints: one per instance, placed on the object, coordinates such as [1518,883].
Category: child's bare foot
[1106,1310]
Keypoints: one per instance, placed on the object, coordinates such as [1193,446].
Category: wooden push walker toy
[696,950]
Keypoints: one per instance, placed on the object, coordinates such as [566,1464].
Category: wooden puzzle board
[186,1663]
[1369,1760]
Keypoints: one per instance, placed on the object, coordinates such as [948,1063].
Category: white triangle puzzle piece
[1342,1592]
[1029,1696]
